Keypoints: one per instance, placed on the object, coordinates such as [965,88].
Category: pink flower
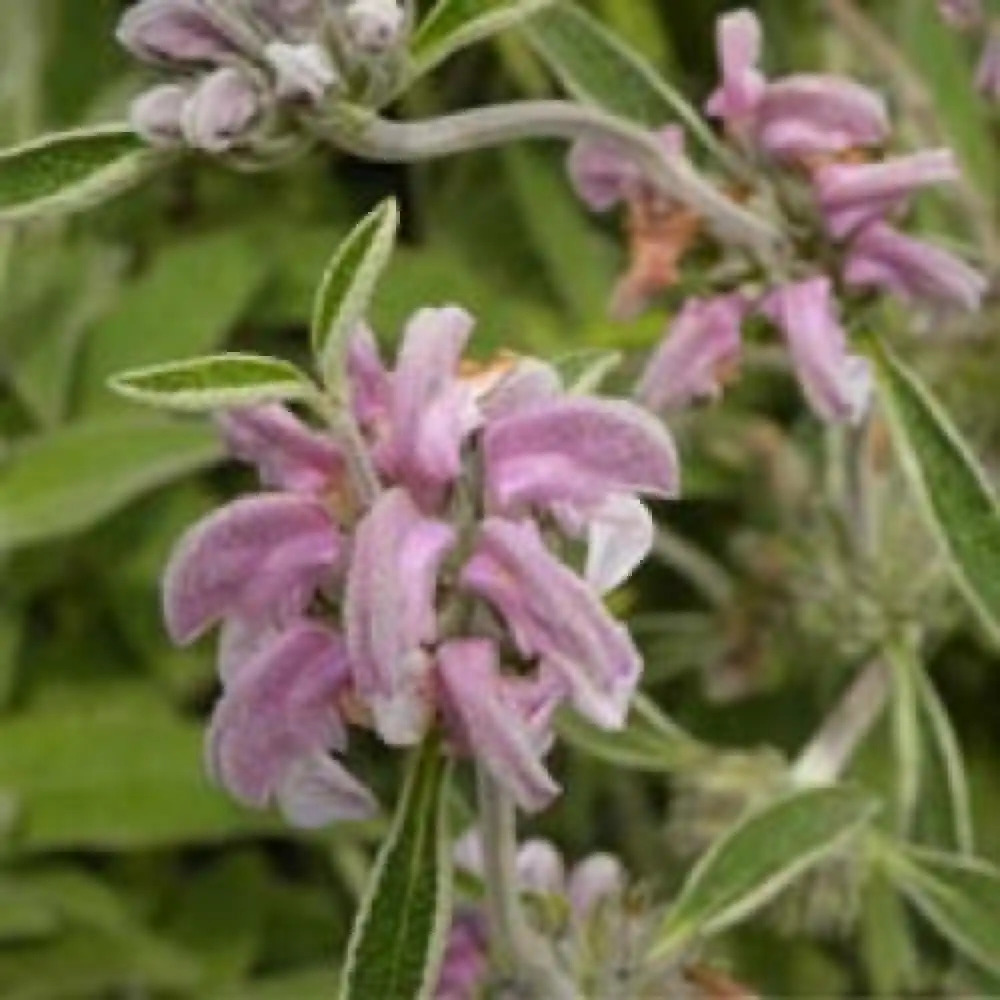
[702,346]
[466,958]
[222,111]
[882,257]
[179,31]
[837,384]
[156,114]
[739,43]
[988,73]
[854,195]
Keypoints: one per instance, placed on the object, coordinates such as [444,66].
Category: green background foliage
[122,872]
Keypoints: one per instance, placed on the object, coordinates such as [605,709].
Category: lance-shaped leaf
[959,896]
[400,931]
[650,740]
[216,382]
[759,857]
[348,285]
[596,66]
[71,171]
[68,480]
[455,24]
[953,491]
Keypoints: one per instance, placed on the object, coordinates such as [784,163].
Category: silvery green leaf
[71,171]
[583,372]
[348,285]
[214,382]
[761,855]
[906,732]
[954,494]
[401,927]
[960,896]
[456,24]
[650,741]
[64,481]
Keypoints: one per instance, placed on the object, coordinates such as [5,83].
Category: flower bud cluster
[441,592]
[814,145]
[240,70]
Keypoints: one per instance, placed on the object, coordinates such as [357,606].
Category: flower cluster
[240,69]
[970,16]
[815,140]
[445,592]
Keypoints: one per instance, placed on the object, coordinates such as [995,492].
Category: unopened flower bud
[177,31]
[375,26]
[223,109]
[156,114]
[301,70]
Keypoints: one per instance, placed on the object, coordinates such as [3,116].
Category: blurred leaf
[760,856]
[204,385]
[70,171]
[12,631]
[126,775]
[959,896]
[944,812]
[584,372]
[312,984]
[886,941]
[455,24]
[65,481]
[596,66]
[402,924]
[650,741]
[953,491]
[348,286]
[906,733]
[23,915]
[171,310]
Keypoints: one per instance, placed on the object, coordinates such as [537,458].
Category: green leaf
[71,171]
[649,742]
[400,930]
[68,480]
[123,776]
[959,896]
[596,66]
[169,310]
[213,383]
[584,372]
[455,24]
[953,491]
[906,732]
[348,286]
[759,857]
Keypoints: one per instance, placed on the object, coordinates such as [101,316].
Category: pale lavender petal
[540,868]
[813,113]
[222,111]
[389,606]
[602,174]
[176,31]
[490,726]
[703,344]
[317,791]
[240,640]
[593,880]
[280,708]
[556,616]
[854,195]
[739,41]
[988,73]
[260,556]
[962,14]
[156,114]
[465,968]
[288,454]
[530,382]
[468,852]
[375,26]
[837,384]
[303,71]
[620,534]
[371,386]
[577,450]
[432,412]
[882,257]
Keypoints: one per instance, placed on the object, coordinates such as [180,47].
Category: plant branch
[376,138]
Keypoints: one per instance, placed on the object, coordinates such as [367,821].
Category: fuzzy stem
[520,955]
[379,139]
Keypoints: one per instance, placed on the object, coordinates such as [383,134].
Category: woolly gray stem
[379,139]
[521,956]
[830,751]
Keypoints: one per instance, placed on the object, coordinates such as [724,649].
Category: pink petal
[489,724]
[540,868]
[593,880]
[176,31]
[317,791]
[156,114]
[259,556]
[221,112]
[739,43]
